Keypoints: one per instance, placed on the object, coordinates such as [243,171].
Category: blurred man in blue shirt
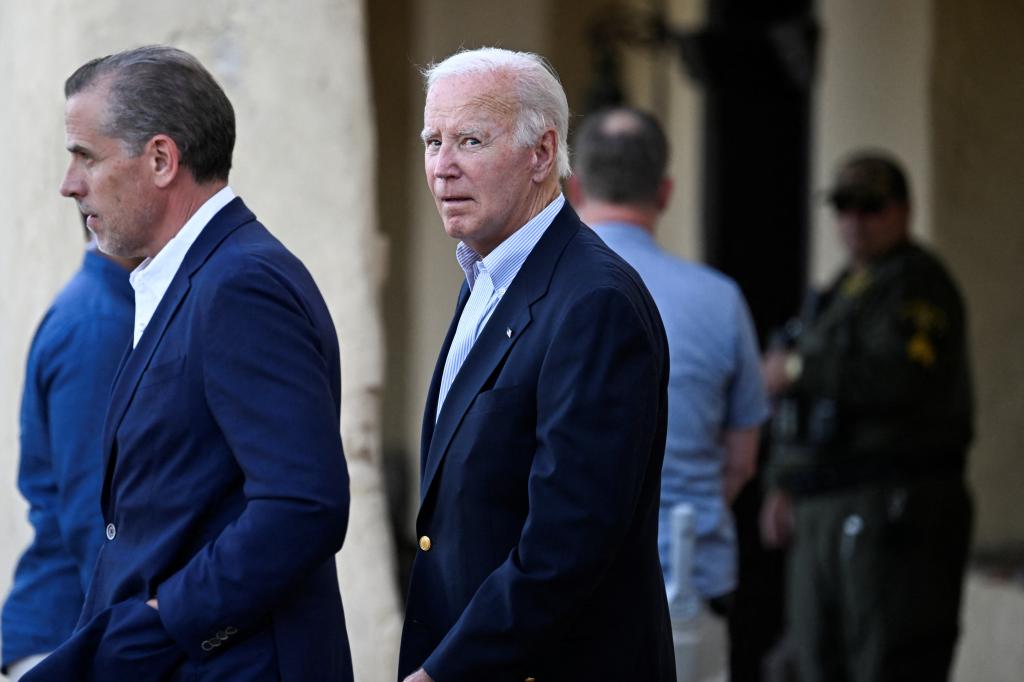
[71,366]
[716,398]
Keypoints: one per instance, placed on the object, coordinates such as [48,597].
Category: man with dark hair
[160,89]
[71,365]
[872,431]
[716,400]
[225,490]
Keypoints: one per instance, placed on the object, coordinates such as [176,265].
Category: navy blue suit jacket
[540,482]
[225,487]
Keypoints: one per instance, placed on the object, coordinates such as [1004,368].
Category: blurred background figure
[871,432]
[716,399]
[71,366]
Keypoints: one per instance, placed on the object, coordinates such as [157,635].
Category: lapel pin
[508,332]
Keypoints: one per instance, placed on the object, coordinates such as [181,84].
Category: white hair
[539,95]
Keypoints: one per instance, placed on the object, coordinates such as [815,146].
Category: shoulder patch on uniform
[927,320]
[855,283]
[921,350]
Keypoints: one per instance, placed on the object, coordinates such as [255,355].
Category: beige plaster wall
[977,99]
[305,164]
[42,238]
[680,230]
[872,91]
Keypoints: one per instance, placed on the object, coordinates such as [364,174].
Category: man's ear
[164,159]
[544,157]
[664,193]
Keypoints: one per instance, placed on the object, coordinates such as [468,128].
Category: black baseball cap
[868,182]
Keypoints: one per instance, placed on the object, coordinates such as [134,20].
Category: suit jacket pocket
[499,399]
[162,372]
[136,646]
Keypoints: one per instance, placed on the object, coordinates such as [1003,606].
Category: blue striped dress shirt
[488,279]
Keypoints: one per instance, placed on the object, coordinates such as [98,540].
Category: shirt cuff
[23,665]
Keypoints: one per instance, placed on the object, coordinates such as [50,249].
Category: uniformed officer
[871,434]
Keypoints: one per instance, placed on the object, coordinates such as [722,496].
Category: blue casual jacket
[71,365]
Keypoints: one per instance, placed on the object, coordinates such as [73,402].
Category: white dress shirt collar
[153,275]
[504,261]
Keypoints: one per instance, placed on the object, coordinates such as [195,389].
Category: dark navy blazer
[70,367]
[540,482]
[226,491]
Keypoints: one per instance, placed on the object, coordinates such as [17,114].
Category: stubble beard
[129,236]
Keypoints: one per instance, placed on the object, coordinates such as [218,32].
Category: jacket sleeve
[599,397]
[270,386]
[67,384]
[78,403]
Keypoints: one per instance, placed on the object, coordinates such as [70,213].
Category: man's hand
[776,519]
[153,604]
[773,370]
[740,459]
[419,676]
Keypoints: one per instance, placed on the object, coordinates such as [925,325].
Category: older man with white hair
[544,428]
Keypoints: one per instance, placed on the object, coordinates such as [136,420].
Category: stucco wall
[304,163]
[872,91]
[977,99]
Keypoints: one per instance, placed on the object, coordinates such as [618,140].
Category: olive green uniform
[871,443]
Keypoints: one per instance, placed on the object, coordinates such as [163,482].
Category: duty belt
[852,472]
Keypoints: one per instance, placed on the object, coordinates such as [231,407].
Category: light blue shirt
[714,385]
[494,273]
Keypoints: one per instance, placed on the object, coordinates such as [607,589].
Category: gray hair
[163,90]
[539,95]
[621,155]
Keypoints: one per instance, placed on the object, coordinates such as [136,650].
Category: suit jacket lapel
[510,319]
[226,221]
[430,411]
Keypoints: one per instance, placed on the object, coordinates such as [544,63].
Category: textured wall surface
[304,162]
[978,104]
[872,91]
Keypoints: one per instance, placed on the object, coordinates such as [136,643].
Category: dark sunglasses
[857,202]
